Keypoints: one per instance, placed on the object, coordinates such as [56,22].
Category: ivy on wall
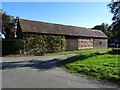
[40,44]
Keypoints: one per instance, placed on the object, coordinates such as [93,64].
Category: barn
[76,37]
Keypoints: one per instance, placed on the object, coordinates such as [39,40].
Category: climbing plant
[41,44]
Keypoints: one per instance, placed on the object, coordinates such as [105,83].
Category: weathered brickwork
[85,43]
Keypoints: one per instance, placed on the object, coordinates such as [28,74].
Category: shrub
[34,44]
[11,46]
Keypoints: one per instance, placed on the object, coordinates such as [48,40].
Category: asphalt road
[43,72]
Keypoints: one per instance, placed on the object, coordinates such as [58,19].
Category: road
[43,72]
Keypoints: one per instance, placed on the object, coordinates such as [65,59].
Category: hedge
[34,45]
[9,46]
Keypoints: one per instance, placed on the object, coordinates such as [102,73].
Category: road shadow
[34,64]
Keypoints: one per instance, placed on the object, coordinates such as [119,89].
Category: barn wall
[85,43]
[71,43]
[100,43]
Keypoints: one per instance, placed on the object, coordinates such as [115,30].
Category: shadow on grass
[79,57]
[85,70]
[85,56]
[114,51]
[34,64]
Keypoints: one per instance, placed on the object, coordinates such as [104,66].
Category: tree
[8,23]
[1,35]
[115,10]
[104,28]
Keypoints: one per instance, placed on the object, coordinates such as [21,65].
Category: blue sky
[83,14]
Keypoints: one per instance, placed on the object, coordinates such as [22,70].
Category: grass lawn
[78,51]
[101,66]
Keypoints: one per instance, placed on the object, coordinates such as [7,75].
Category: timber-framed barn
[76,37]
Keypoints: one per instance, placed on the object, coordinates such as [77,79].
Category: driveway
[43,72]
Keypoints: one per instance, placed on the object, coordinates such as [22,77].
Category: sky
[83,14]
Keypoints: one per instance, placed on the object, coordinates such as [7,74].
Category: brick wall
[85,43]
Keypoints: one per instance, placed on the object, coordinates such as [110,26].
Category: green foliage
[19,43]
[115,26]
[55,43]
[104,28]
[11,46]
[34,45]
[102,66]
[39,45]
[8,24]
[79,51]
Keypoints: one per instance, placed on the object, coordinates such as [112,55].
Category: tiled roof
[58,29]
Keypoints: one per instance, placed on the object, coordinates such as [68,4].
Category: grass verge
[78,51]
[101,66]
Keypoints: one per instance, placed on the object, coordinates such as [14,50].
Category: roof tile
[49,28]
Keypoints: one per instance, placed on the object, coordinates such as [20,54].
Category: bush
[35,45]
[40,45]
[55,43]
[11,46]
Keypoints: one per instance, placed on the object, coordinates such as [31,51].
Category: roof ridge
[54,23]
[59,29]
